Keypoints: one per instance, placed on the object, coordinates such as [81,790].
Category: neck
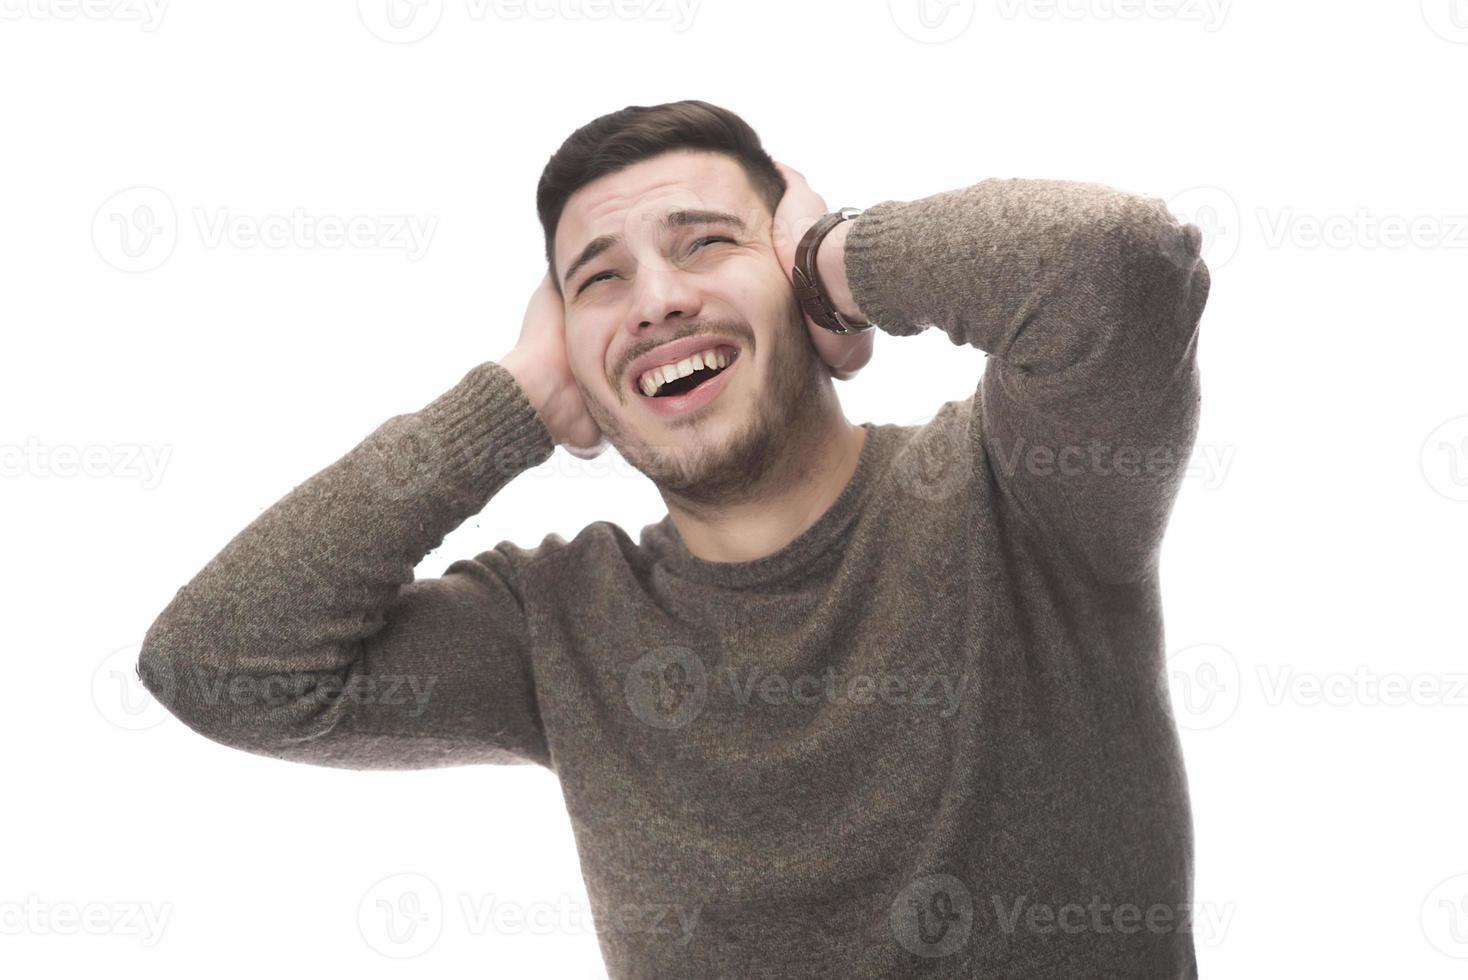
[816,467]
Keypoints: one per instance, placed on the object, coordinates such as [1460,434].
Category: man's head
[657,222]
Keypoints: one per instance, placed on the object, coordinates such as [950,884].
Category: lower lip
[690,400]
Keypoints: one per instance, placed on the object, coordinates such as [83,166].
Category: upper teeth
[654,378]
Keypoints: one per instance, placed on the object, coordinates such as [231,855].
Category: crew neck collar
[805,547]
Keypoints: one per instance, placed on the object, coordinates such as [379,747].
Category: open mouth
[687,383]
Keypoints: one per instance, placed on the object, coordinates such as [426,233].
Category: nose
[661,293]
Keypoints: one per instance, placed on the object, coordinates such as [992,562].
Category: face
[681,253]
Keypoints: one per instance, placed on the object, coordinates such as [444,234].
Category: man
[870,700]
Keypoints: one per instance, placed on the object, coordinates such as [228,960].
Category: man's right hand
[540,365]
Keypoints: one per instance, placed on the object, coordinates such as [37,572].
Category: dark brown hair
[619,139]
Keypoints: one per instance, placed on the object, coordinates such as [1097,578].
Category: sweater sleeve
[1086,300]
[307,639]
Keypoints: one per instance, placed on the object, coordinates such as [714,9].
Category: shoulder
[593,554]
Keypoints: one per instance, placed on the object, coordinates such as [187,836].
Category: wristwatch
[813,299]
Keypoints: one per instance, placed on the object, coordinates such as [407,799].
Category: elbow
[157,667]
[167,668]
[1147,282]
[267,713]
[1131,297]
[1150,255]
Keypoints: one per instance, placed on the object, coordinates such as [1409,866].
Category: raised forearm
[1088,299]
[318,591]
[1034,271]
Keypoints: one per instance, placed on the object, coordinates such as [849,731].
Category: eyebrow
[678,218]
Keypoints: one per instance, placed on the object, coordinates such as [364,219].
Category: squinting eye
[714,238]
[592,279]
[698,241]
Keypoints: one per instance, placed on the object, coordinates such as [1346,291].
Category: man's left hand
[799,208]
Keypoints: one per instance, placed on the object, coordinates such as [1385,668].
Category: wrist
[830,267]
[531,382]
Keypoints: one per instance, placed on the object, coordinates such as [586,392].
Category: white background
[1313,562]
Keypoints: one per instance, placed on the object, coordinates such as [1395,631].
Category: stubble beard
[701,471]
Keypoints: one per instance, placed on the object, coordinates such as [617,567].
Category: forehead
[635,196]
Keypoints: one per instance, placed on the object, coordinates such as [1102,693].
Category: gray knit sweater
[931,736]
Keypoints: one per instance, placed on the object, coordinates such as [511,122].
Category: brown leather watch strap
[808,289]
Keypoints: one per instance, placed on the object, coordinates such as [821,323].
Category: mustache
[736,330]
